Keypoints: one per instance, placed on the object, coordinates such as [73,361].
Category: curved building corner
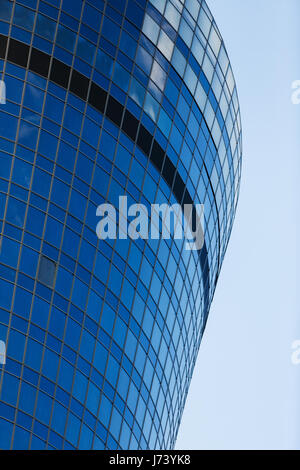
[104,99]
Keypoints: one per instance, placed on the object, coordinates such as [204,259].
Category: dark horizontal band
[65,76]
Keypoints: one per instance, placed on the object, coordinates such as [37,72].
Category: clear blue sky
[245,393]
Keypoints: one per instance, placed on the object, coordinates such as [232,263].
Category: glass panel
[46,273]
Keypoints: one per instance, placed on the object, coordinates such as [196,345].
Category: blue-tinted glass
[101,335]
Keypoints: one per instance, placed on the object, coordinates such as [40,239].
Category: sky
[245,390]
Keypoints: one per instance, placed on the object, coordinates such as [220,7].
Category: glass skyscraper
[105,99]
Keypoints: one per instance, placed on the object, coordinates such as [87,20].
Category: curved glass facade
[104,99]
